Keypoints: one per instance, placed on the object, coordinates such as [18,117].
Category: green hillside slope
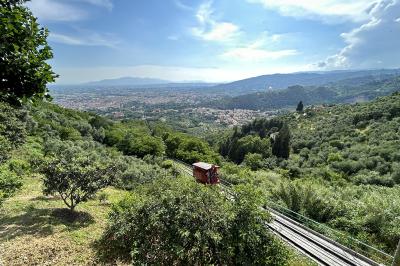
[345,91]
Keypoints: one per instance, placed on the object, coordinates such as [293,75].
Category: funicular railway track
[317,247]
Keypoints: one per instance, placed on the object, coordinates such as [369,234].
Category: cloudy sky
[217,40]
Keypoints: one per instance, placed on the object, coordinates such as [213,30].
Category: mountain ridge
[282,81]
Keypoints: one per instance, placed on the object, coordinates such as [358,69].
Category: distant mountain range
[130,83]
[282,81]
[240,87]
[126,81]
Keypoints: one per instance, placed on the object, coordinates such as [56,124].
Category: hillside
[344,91]
[281,81]
[122,162]
[343,168]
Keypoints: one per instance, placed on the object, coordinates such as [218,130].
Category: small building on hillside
[206,173]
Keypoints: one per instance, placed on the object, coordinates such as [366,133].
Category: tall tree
[281,146]
[24,72]
[300,107]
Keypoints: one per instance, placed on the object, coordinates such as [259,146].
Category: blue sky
[220,40]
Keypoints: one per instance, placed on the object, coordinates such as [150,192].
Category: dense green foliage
[133,138]
[9,183]
[13,127]
[72,150]
[359,143]
[189,149]
[24,51]
[345,164]
[365,212]
[178,222]
[13,123]
[268,138]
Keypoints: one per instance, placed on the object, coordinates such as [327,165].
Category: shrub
[9,183]
[253,160]
[20,167]
[179,222]
[167,164]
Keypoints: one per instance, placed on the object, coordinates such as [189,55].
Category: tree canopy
[76,171]
[24,72]
[300,107]
[178,222]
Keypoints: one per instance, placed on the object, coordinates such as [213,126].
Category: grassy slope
[35,231]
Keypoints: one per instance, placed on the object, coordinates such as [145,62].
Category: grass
[38,230]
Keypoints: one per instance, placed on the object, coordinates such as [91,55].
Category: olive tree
[76,171]
[24,51]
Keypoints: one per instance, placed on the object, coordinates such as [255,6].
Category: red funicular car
[206,173]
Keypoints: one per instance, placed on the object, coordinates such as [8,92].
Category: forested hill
[358,143]
[346,91]
[343,168]
[282,81]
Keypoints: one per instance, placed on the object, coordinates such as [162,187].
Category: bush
[366,177]
[167,164]
[20,167]
[254,161]
[179,222]
[189,149]
[9,183]
[138,172]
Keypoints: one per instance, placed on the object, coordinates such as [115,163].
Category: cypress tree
[281,146]
[300,107]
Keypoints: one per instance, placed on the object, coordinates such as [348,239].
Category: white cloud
[103,3]
[256,54]
[211,30]
[181,5]
[173,37]
[90,39]
[56,11]
[219,32]
[258,51]
[375,44]
[326,10]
